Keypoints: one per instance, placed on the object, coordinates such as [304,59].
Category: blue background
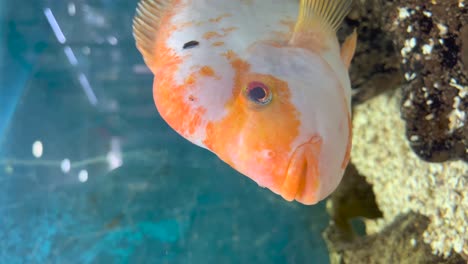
[168,202]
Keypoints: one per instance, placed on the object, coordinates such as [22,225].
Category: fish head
[287,123]
[276,110]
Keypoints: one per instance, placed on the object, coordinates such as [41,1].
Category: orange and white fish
[263,84]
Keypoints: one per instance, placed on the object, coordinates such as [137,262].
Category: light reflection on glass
[112,40]
[71,9]
[37,149]
[83,175]
[8,169]
[69,52]
[87,88]
[114,157]
[93,17]
[86,50]
[65,165]
[70,55]
[54,25]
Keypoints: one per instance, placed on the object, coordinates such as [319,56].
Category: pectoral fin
[348,48]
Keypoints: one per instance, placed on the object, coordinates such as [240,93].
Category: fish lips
[302,181]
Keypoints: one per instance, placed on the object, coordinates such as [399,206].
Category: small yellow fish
[263,84]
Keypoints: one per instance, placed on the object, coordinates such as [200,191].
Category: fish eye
[258,93]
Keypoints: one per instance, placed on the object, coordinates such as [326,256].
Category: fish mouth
[302,181]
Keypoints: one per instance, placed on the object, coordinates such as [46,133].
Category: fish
[262,84]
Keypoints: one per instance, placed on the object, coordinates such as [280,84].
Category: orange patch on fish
[211,34]
[171,103]
[207,71]
[190,80]
[250,130]
[185,25]
[169,97]
[217,43]
[230,55]
[219,18]
[303,172]
[229,29]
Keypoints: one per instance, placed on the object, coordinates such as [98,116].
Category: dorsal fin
[146,25]
[328,13]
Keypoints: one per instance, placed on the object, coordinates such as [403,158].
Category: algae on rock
[402,182]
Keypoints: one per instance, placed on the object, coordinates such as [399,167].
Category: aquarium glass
[89,171]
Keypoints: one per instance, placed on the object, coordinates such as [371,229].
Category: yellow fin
[146,25]
[328,13]
[348,48]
